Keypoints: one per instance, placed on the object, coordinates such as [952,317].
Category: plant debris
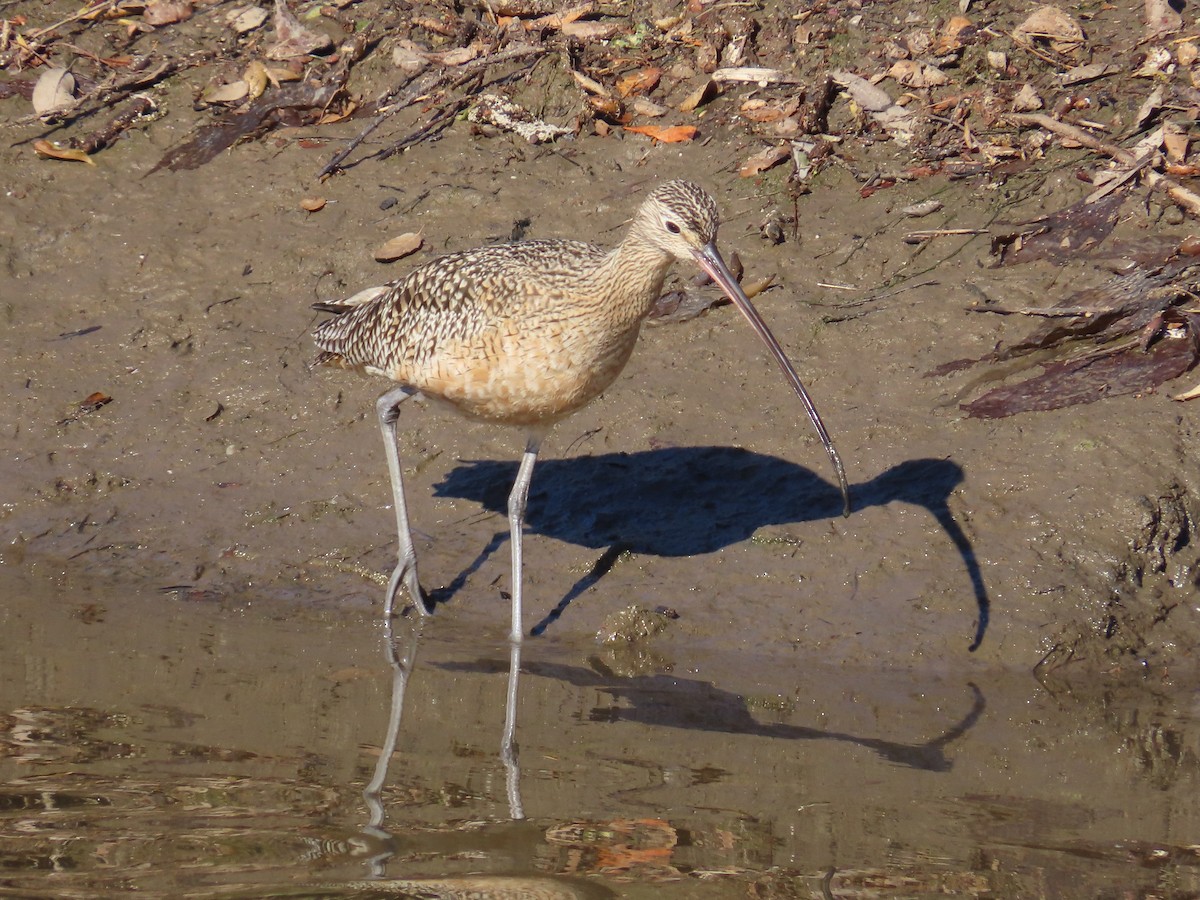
[1134,333]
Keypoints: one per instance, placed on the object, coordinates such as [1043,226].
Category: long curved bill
[709,259]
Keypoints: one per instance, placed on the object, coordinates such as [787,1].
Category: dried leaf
[409,58]
[55,89]
[1188,395]
[1161,18]
[668,134]
[234,92]
[642,81]
[1090,72]
[609,107]
[458,56]
[94,401]
[256,79]
[1027,99]
[1175,142]
[312,204]
[895,118]
[1086,380]
[647,108]
[756,286]
[399,247]
[914,74]
[755,74]
[919,210]
[53,151]
[1149,108]
[591,31]
[246,18]
[167,12]
[953,35]
[591,85]
[1186,53]
[1049,23]
[699,96]
[764,159]
[293,39]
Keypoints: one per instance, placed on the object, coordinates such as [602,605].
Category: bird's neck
[631,276]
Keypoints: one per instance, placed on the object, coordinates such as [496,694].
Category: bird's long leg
[388,408]
[516,520]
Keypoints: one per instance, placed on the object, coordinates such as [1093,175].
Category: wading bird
[524,334]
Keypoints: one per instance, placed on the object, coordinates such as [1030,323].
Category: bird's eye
[673,228]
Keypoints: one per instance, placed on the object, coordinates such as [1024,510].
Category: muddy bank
[224,465]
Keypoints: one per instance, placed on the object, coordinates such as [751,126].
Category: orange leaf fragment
[312,204]
[400,246]
[668,134]
[763,160]
[53,151]
[642,81]
[94,401]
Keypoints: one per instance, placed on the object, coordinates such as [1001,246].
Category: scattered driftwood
[1177,192]
[211,140]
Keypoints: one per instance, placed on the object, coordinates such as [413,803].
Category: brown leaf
[1051,24]
[668,134]
[55,89]
[642,81]
[234,92]
[94,401]
[53,151]
[167,12]
[647,108]
[699,96]
[1175,142]
[591,85]
[399,247]
[312,204]
[292,38]
[914,74]
[764,159]
[256,79]
[591,31]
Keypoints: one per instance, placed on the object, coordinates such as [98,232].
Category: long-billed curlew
[525,334]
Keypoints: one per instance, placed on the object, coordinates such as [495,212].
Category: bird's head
[680,219]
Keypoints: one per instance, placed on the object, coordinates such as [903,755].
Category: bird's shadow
[687,501]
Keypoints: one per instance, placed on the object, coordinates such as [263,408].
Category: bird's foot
[406,573]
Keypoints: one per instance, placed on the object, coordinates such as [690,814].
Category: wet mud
[976,684]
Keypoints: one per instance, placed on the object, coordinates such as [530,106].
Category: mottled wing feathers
[452,299]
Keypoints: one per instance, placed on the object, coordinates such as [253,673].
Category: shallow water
[170,743]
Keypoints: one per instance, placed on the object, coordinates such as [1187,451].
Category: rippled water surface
[171,744]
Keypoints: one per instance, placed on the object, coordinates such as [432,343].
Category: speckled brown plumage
[519,334]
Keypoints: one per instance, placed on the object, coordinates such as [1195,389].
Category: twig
[1049,312]
[105,94]
[411,92]
[140,108]
[1177,192]
[917,237]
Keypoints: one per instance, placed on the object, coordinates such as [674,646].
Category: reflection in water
[227,763]
[402,655]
